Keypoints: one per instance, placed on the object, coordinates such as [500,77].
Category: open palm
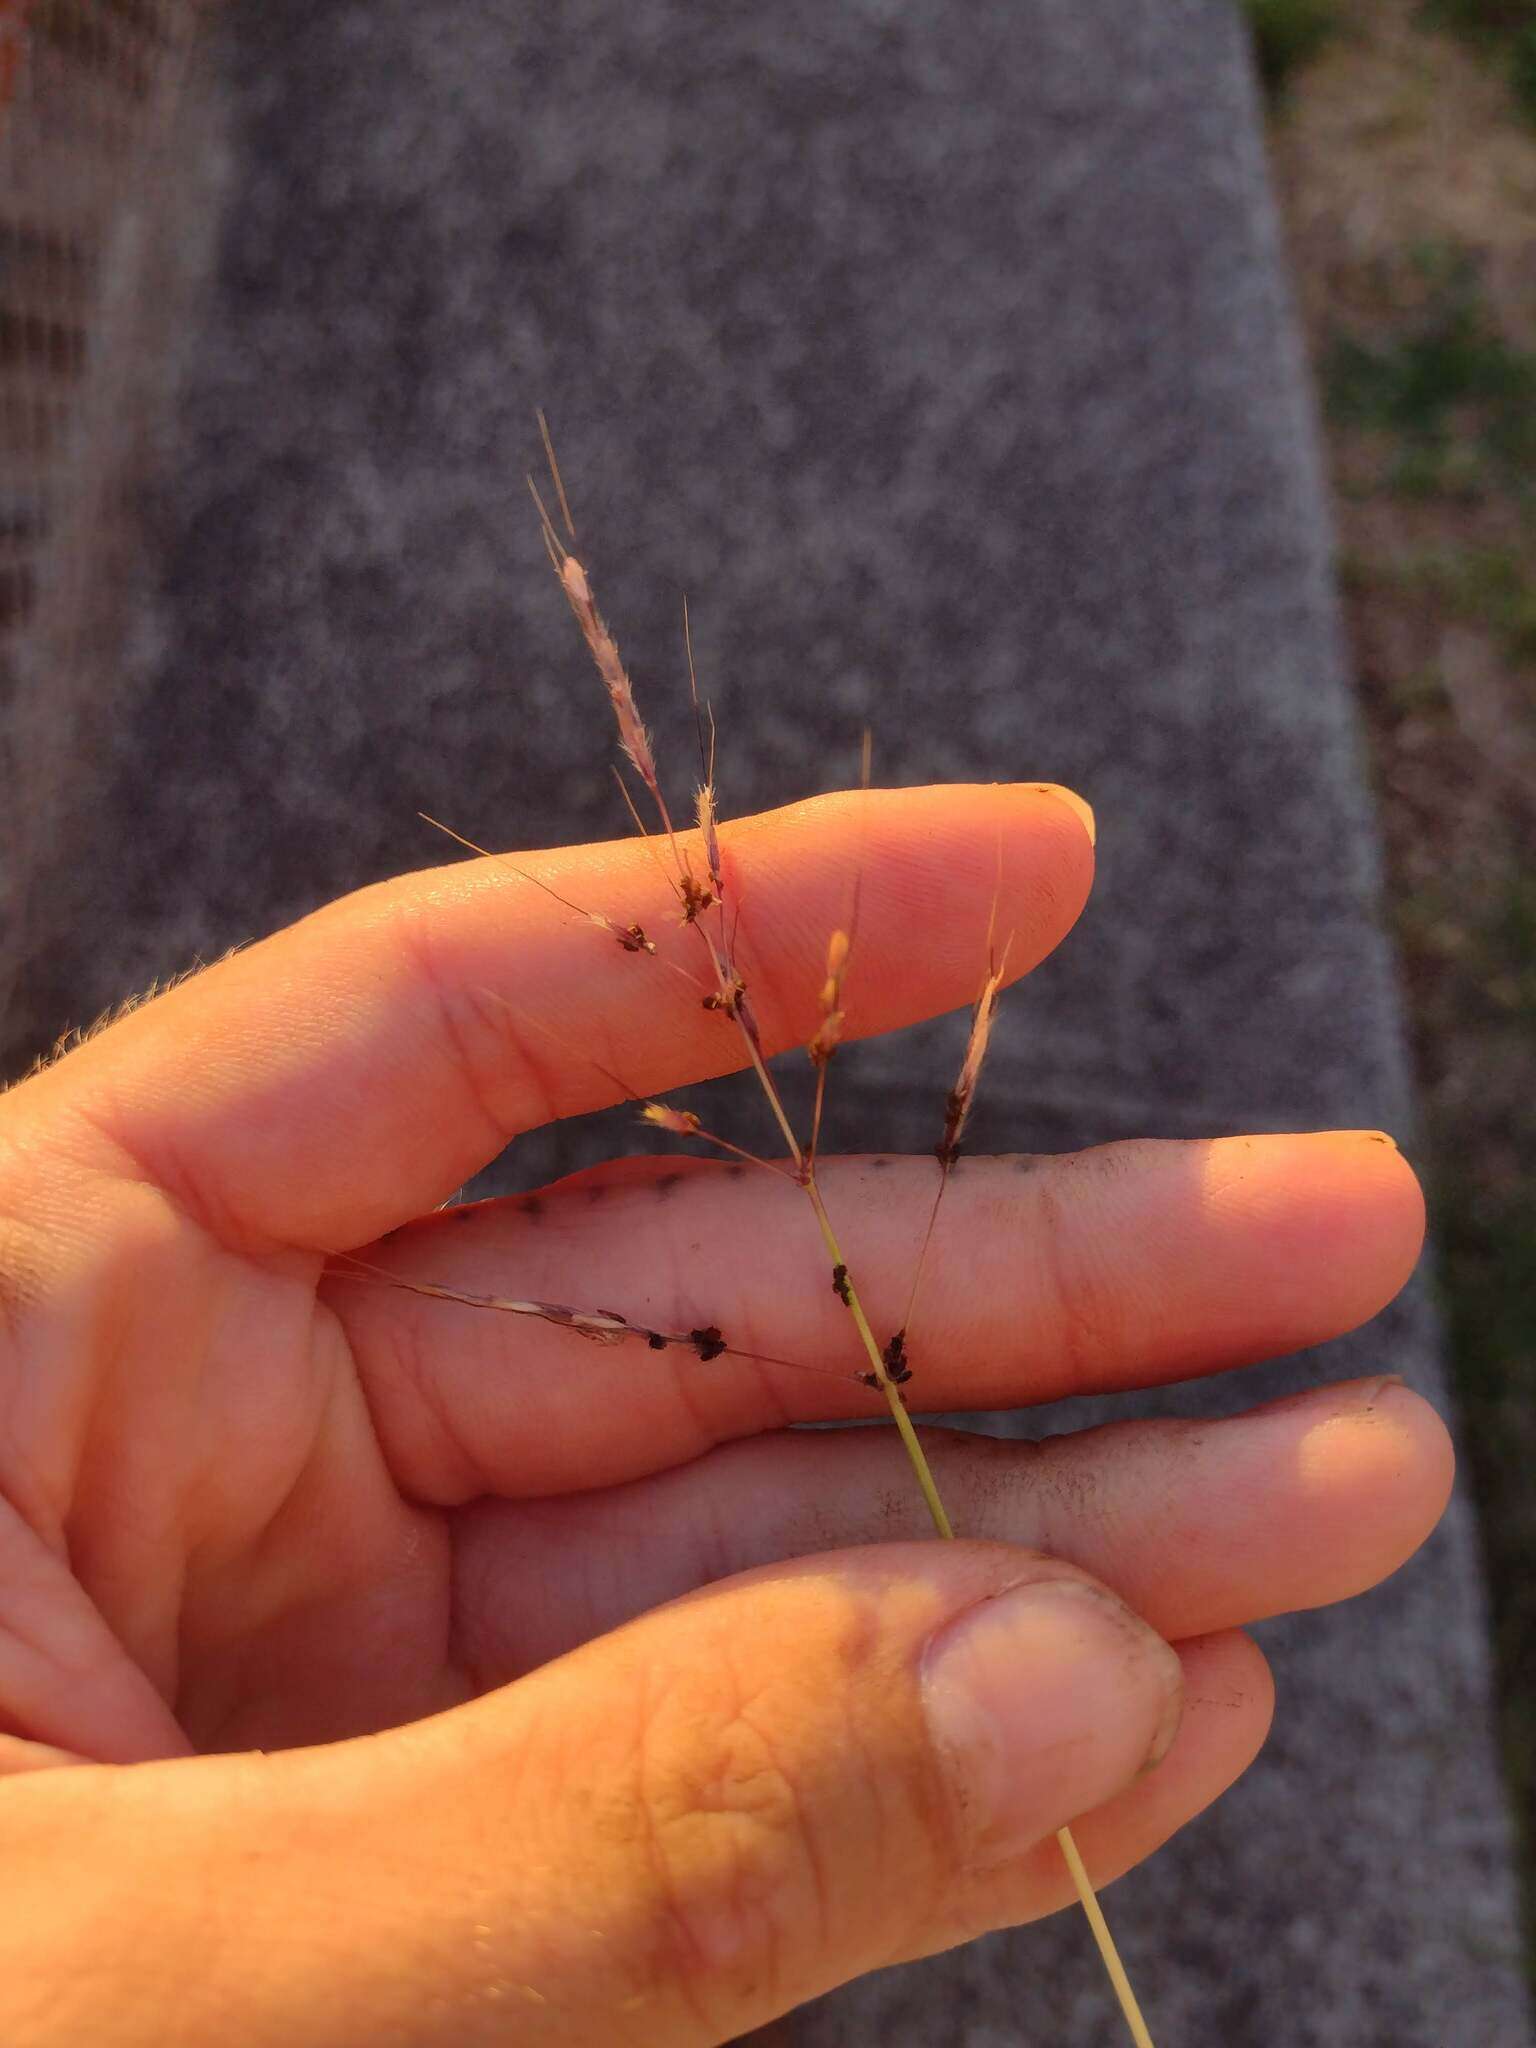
[251,1496]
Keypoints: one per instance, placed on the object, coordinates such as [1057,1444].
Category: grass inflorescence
[692,859]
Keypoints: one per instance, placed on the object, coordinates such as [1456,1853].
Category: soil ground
[1406,166]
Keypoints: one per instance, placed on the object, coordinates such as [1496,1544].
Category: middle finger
[1128,1266]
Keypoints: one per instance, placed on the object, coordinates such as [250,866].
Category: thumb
[666,1838]
[747,1797]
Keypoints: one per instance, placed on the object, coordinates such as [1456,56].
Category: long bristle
[630,936]
[599,1326]
[554,547]
[554,471]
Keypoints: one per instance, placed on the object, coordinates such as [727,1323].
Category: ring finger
[1200,1527]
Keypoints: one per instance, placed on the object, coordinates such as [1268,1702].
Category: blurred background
[1136,395]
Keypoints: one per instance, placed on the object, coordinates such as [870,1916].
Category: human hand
[250,1503]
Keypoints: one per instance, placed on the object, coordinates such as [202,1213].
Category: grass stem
[923,1471]
[911,1441]
[1106,1941]
[732,1000]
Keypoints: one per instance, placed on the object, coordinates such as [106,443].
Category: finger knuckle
[504,1079]
[1084,1308]
[731,1859]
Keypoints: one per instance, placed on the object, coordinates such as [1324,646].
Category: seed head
[829,1033]
[681,1122]
[710,836]
[633,737]
[696,897]
[957,1106]
[732,1002]
[574,579]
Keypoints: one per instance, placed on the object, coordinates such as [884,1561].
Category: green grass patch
[1490,587]
[1286,35]
[1496,587]
[1454,399]
[1503,30]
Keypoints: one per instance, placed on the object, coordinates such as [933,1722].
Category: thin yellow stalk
[816,1110]
[923,1472]
[1106,1941]
[911,1442]
[829,1033]
[775,1102]
[682,1123]
[733,1006]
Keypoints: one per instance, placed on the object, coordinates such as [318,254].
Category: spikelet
[708,831]
[829,1032]
[957,1105]
[633,737]
[604,1326]
[682,1123]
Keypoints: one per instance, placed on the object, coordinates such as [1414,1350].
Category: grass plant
[1503,30]
[1451,397]
[691,859]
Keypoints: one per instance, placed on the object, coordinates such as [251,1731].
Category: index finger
[354,1070]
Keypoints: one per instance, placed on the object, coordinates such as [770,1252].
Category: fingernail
[1338,1399]
[1074,803]
[1377,1389]
[1043,1702]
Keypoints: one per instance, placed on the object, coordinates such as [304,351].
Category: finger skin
[667,1838]
[1121,1267]
[1200,1527]
[356,1069]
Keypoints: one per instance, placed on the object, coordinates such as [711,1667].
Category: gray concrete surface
[943,355]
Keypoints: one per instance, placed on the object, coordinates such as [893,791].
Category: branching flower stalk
[598,1326]
[706,905]
[888,1367]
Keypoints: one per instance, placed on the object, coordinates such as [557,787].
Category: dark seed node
[708,1342]
[697,898]
[840,1285]
[655,1340]
[870,1379]
[727,1000]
